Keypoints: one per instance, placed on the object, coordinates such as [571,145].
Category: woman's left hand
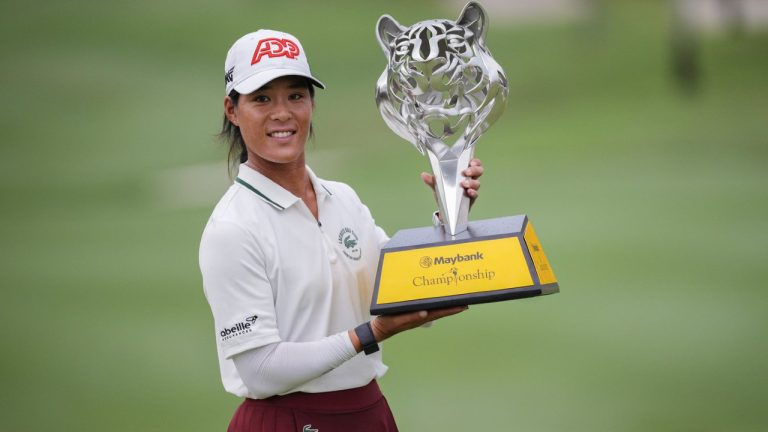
[471,184]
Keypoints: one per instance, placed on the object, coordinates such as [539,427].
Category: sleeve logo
[239,329]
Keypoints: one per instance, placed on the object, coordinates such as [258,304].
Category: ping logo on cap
[274,47]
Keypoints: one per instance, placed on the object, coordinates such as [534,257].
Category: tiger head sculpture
[441,86]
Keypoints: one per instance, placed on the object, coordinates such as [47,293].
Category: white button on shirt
[272,273]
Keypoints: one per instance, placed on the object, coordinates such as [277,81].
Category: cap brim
[257,81]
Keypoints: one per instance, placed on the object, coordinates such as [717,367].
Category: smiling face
[274,121]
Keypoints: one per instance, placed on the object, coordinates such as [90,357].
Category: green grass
[651,205]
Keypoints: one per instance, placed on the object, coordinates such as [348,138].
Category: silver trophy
[440,91]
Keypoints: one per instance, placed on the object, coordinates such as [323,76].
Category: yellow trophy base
[493,260]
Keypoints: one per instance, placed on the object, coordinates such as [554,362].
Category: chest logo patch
[350,243]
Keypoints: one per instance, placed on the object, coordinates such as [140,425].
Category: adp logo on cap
[274,47]
[248,66]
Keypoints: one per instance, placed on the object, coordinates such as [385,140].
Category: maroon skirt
[362,409]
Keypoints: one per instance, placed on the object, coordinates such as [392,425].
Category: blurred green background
[649,194]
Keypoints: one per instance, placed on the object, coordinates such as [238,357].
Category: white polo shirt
[272,273]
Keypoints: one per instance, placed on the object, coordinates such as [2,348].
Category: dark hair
[230,134]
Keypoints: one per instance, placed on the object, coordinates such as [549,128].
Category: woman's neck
[291,176]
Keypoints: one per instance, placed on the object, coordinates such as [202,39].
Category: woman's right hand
[386,326]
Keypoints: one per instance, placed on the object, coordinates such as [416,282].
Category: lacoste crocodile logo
[349,240]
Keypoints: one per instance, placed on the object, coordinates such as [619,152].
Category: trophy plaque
[440,91]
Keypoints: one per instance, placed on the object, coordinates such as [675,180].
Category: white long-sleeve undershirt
[279,367]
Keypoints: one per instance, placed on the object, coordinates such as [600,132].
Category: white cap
[259,57]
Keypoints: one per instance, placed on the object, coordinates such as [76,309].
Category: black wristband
[364,333]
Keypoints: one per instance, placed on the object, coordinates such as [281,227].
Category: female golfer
[289,259]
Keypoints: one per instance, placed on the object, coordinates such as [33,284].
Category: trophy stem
[452,202]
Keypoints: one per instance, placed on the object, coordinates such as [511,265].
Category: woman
[290,304]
